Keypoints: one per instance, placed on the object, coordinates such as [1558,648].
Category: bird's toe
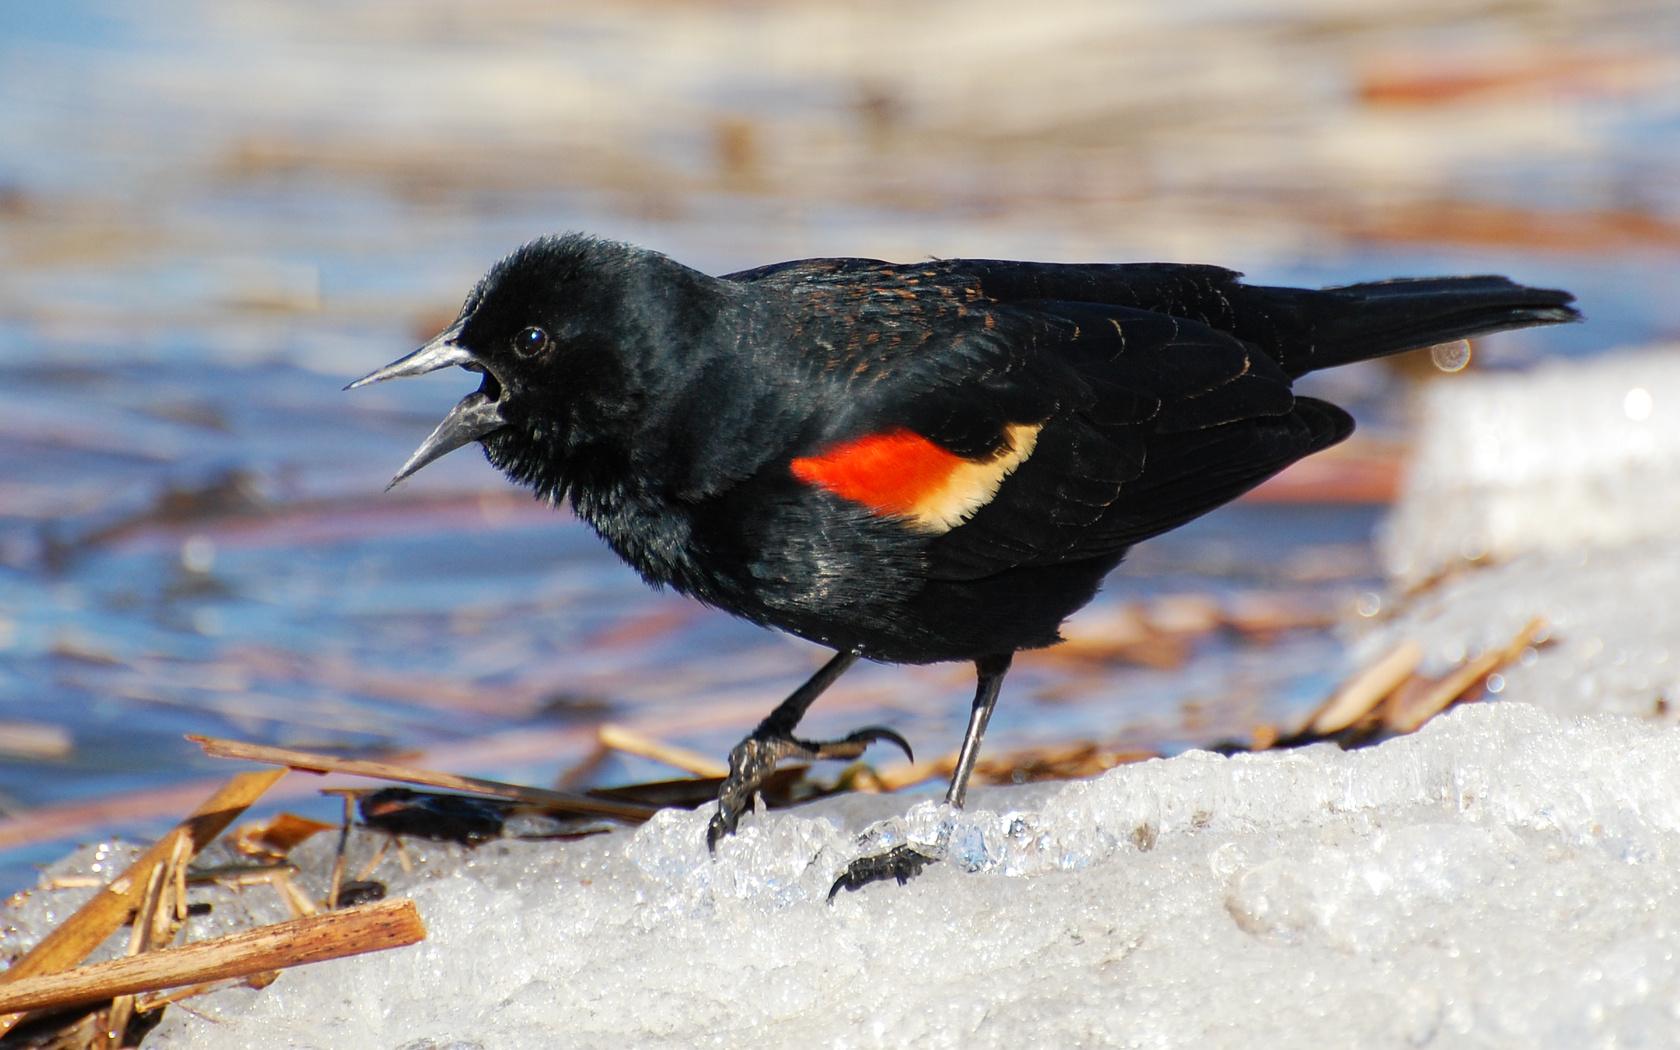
[901,863]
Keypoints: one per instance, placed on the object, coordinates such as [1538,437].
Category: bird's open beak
[473,417]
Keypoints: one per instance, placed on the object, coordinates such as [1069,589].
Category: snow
[1507,876]
[1502,878]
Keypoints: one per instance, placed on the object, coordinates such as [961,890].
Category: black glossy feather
[913,463]
[671,407]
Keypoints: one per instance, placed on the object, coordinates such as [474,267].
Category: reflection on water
[212,215]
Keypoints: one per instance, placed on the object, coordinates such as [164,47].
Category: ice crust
[1503,878]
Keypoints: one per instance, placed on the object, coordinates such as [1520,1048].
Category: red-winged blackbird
[906,463]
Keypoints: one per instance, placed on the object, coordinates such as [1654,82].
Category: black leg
[785,718]
[991,670]
[904,862]
[752,759]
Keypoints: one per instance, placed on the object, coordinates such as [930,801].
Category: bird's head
[553,328]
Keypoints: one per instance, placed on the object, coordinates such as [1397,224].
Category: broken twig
[96,920]
[312,762]
[317,938]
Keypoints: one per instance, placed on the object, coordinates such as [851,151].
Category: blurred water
[212,215]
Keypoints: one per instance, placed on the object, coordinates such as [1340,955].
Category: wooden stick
[527,744]
[311,762]
[143,936]
[145,1004]
[373,865]
[1423,698]
[1409,709]
[337,883]
[94,921]
[1366,689]
[633,742]
[353,931]
[295,899]
[181,857]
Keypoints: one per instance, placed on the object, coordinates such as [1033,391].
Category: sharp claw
[723,824]
[873,734]
[844,882]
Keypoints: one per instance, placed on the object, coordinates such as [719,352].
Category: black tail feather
[1357,322]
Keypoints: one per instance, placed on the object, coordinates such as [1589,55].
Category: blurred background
[213,215]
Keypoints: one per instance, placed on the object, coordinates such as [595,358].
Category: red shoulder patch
[903,474]
[888,473]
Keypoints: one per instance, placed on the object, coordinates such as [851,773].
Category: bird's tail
[1357,322]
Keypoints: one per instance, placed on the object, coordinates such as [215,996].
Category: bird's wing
[1036,431]
[1198,292]
[1180,418]
[1190,290]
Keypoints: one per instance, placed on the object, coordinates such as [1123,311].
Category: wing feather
[1148,412]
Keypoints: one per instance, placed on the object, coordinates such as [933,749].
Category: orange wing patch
[904,474]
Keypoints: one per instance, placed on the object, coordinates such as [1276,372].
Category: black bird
[906,463]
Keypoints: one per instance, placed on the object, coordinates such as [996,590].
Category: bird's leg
[991,670]
[903,862]
[752,759]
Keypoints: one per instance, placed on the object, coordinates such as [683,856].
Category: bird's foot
[754,758]
[901,862]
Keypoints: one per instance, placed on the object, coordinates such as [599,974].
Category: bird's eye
[530,342]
